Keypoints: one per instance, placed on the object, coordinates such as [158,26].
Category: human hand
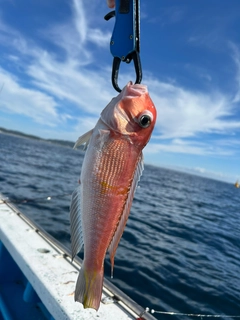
[111,3]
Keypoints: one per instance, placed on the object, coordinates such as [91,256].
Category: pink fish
[111,169]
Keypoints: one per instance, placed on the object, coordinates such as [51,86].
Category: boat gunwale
[108,288]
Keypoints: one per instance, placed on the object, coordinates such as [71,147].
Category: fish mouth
[133,90]
[116,115]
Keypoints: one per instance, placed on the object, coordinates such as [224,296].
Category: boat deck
[37,278]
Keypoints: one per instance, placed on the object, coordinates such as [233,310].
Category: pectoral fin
[83,139]
[124,217]
[76,223]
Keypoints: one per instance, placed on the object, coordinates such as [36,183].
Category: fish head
[132,114]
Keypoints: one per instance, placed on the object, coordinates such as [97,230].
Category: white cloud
[201,72]
[81,86]
[236,59]
[54,83]
[99,38]
[29,102]
[57,79]
[85,124]
[86,32]
[216,175]
[184,113]
[188,147]
[199,169]
[79,19]
[230,142]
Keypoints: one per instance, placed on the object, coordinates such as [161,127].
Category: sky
[55,76]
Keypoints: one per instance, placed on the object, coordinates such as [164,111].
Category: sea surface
[180,250]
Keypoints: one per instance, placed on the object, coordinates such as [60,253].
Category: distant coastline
[70,144]
[65,143]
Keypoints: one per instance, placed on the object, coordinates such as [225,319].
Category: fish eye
[144,120]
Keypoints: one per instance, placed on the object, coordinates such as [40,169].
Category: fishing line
[34,200]
[171,313]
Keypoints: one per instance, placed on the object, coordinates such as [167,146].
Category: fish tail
[89,288]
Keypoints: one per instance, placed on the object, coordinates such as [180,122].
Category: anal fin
[124,217]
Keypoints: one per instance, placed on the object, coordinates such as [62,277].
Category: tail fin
[89,288]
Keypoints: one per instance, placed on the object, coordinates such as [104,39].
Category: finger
[111,3]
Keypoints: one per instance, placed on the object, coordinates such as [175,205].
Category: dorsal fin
[76,223]
[124,217]
[83,139]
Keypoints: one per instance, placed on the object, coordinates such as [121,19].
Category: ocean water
[180,250]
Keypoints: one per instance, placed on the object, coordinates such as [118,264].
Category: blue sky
[55,70]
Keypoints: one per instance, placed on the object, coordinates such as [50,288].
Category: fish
[111,169]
